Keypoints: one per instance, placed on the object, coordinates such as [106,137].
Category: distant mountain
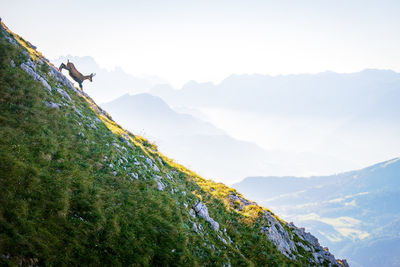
[191,141]
[108,84]
[356,213]
[370,92]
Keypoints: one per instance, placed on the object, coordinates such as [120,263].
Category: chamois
[75,74]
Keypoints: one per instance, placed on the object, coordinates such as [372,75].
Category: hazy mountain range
[357,213]
[367,93]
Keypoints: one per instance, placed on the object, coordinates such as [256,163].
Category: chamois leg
[62,66]
[80,86]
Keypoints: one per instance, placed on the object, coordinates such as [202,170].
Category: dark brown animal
[75,74]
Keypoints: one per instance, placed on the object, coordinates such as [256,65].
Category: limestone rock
[52,105]
[64,94]
[202,211]
[34,75]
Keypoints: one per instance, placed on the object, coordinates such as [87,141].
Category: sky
[210,40]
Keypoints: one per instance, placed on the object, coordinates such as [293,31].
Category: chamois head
[91,76]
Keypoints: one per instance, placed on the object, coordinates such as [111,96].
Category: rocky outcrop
[284,242]
[202,211]
[28,67]
[277,234]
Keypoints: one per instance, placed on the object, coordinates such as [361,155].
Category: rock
[306,248]
[11,40]
[277,235]
[77,111]
[114,173]
[222,240]
[12,63]
[60,78]
[343,263]
[125,140]
[52,105]
[160,185]
[64,94]
[34,75]
[192,213]
[31,45]
[195,228]
[319,253]
[149,161]
[156,168]
[202,211]
[116,145]
[111,166]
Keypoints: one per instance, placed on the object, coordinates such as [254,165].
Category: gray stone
[222,240]
[52,105]
[125,140]
[277,235]
[202,211]
[192,213]
[77,111]
[149,161]
[12,63]
[116,145]
[156,168]
[60,78]
[160,185]
[34,75]
[195,228]
[11,40]
[64,94]
[306,248]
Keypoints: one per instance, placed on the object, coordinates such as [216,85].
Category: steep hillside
[77,189]
[356,213]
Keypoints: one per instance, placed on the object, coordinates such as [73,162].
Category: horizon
[228,76]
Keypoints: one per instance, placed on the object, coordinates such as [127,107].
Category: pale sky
[210,40]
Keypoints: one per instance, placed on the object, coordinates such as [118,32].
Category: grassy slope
[61,203]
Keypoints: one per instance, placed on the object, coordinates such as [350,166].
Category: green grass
[62,204]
